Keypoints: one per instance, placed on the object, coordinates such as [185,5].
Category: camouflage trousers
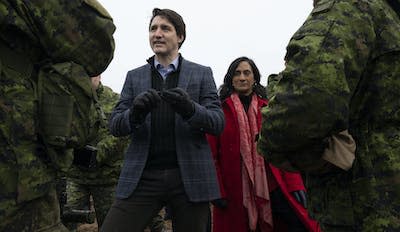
[79,198]
[341,204]
[38,215]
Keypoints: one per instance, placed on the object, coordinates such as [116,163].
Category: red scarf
[255,185]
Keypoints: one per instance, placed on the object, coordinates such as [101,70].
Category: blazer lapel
[185,75]
[145,80]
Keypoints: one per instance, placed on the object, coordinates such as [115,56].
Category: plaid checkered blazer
[193,152]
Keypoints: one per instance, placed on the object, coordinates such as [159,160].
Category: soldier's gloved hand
[142,105]
[180,101]
[221,203]
[300,197]
[85,157]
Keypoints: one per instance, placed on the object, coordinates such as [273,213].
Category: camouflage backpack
[69,113]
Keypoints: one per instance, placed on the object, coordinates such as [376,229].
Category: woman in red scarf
[255,195]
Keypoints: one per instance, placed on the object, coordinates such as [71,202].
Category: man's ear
[181,38]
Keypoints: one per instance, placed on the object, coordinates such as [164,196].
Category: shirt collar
[174,64]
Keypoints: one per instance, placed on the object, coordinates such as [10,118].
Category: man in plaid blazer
[166,106]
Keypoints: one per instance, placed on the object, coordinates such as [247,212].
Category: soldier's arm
[72,30]
[325,59]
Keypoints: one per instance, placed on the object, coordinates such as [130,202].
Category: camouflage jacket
[31,33]
[110,149]
[342,72]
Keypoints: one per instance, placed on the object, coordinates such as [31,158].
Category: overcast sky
[217,32]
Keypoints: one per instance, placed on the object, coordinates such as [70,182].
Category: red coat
[226,151]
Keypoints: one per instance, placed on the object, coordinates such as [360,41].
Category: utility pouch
[68,116]
[56,118]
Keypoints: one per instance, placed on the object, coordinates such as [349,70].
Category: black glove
[85,157]
[142,105]
[300,197]
[180,101]
[221,203]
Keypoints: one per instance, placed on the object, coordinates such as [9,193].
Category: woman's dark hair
[173,18]
[226,89]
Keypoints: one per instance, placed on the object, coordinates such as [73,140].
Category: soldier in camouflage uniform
[342,72]
[98,181]
[31,33]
